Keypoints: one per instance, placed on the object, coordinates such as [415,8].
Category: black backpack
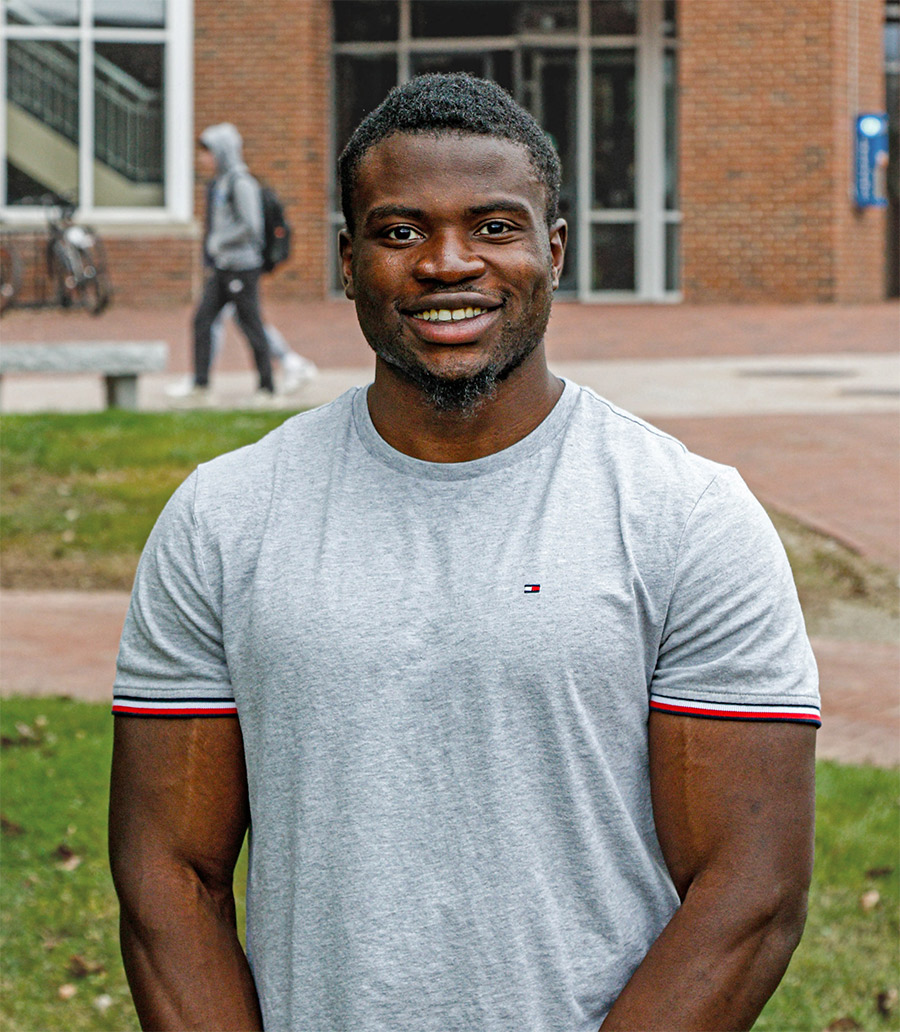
[276,244]
[276,230]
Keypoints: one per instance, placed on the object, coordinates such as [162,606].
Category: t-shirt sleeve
[734,644]
[171,657]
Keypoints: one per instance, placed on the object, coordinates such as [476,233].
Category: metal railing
[43,80]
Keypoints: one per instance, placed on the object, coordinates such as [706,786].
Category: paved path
[803,400]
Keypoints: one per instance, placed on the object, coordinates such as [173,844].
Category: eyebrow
[387,211]
[500,204]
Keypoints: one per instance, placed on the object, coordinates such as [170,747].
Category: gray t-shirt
[443,673]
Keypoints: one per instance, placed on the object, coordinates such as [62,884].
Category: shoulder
[243,179]
[240,483]
[646,464]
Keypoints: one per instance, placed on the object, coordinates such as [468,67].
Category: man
[473,683]
[233,253]
[296,370]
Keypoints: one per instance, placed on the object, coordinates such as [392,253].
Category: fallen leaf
[9,827]
[870,900]
[67,856]
[81,968]
[887,1001]
[879,872]
[40,720]
[846,1024]
[103,1002]
[67,991]
[25,731]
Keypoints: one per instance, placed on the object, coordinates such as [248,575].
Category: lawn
[59,960]
[80,493]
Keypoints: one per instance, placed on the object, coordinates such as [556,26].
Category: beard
[465,393]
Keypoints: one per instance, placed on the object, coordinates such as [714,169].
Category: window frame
[178,118]
[650,218]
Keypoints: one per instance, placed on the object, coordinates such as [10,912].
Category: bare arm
[733,805]
[178,816]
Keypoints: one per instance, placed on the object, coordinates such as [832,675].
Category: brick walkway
[835,471]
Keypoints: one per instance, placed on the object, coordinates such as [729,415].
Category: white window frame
[651,217]
[177,37]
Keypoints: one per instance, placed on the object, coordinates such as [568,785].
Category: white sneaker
[181,388]
[263,399]
[196,397]
[297,371]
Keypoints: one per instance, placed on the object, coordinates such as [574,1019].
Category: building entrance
[598,76]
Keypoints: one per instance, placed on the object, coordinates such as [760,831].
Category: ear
[345,249]
[559,232]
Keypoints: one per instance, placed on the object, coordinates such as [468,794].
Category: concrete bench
[119,362]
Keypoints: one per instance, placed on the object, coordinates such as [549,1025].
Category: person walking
[296,369]
[232,246]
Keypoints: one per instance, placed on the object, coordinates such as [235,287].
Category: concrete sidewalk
[805,401]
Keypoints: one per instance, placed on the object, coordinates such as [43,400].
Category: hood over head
[224,142]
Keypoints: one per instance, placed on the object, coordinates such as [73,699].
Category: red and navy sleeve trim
[736,710]
[128,705]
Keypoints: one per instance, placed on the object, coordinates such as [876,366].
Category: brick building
[707,144]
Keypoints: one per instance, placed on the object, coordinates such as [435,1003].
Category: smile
[449,314]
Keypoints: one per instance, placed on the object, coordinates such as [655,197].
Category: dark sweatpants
[222,286]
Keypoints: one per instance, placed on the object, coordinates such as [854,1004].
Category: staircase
[42,102]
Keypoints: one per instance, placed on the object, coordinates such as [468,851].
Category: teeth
[449,314]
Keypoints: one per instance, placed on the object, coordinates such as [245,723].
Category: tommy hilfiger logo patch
[532,589]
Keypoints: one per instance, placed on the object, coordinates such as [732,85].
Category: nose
[448,257]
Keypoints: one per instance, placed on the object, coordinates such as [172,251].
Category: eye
[402,234]
[496,227]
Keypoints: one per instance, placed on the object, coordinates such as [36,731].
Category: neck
[404,417]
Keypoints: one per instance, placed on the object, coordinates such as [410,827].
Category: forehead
[420,170]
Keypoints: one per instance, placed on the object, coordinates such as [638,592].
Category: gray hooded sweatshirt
[234,233]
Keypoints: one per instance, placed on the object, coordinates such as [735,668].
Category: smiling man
[512,690]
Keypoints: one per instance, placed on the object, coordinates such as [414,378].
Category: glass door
[545,84]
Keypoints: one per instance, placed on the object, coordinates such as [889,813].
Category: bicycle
[76,261]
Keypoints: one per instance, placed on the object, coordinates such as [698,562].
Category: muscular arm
[178,815]
[733,804]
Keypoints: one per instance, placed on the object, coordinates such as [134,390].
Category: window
[91,89]
[600,76]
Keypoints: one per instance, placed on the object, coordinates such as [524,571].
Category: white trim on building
[649,217]
[176,38]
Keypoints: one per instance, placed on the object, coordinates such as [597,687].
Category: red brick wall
[859,235]
[150,270]
[765,168]
[266,68]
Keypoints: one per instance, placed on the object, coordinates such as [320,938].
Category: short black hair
[451,102]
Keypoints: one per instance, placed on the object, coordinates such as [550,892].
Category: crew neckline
[552,424]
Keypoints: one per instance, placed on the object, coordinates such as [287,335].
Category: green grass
[55,780]
[55,764]
[82,492]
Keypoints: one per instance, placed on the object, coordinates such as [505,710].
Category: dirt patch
[844,596]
